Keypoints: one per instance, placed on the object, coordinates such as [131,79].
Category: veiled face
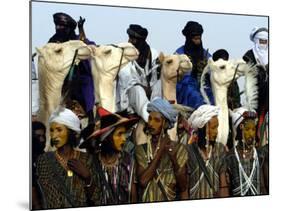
[119,138]
[196,39]
[59,134]
[155,123]
[212,128]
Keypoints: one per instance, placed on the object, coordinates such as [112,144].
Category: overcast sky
[106,25]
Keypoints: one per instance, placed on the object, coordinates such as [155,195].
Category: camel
[107,60]
[54,61]
[222,74]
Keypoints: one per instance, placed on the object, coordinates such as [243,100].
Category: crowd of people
[98,161]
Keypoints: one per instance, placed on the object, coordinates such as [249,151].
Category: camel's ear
[39,51]
[210,61]
[161,57]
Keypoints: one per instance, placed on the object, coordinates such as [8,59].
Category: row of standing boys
[112,169]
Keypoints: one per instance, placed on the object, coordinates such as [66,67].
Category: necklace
[109,163]
[64,161]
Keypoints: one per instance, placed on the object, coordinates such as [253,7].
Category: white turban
[237,116]
[66,117]
[202,115]
[260,50]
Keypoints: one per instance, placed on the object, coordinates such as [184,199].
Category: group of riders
[100,162]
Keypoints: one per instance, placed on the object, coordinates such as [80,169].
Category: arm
[180,171]
[145,175]
[224,186]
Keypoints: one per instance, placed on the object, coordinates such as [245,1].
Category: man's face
[249,131]
[59,134]
[212,128]
[62,29]
[40,134]
[119,138]
[196,39]
[155,123]
[133,40]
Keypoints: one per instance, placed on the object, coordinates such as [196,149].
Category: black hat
[137,31]
[64,19]
[220,54]
[192,28]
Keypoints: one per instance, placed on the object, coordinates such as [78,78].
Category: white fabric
[66,117]
[237,117]
[260,50]
[35,90]
[129,76]
[202,115]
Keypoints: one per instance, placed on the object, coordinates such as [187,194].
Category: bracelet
[91,182]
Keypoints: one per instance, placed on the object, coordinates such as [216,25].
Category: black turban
[220,54]
[137,31]
[64,19]
[192,28]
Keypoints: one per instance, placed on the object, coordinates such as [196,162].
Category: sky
[106,25]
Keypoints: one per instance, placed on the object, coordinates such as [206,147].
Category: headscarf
[202,115]
[140,33]
[165,108]
[260,50]
[237,117]
[64,19]
[66,117]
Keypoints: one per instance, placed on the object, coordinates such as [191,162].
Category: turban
[192,28]
[137,31]
[64,19]
[202,115]
[238,115]
[259,33]
[66,117]
[165,108]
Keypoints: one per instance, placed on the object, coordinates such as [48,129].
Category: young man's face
[212,128]
[59,134]
[249,131]
[119,138]
[155,123]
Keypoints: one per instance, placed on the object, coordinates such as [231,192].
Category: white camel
[222,73]
[54,61]
[107,60]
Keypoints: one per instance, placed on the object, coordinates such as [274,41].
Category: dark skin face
[212,128]
[40,134]
[196,39]
[248,131]
[155,123]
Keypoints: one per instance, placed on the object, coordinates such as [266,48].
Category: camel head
[222,71]
[57,57]
[106,58]
[174,66]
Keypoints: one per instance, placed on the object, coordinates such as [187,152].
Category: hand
[79,168]
[170,148]
[81,22]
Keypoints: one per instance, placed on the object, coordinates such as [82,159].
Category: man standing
[160,163]
[188,88]
[82,86]
[247,167]
[205,157]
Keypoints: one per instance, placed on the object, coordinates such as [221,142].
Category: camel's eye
[107,52]
[170,61]
[222,67]
[58,51]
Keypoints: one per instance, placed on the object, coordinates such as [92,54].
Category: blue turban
[165,108]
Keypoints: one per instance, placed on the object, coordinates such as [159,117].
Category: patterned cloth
[152,192]
[233,172]
[199,187]
[116,181]
[59,190]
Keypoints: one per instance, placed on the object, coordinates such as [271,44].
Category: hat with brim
[108,121]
